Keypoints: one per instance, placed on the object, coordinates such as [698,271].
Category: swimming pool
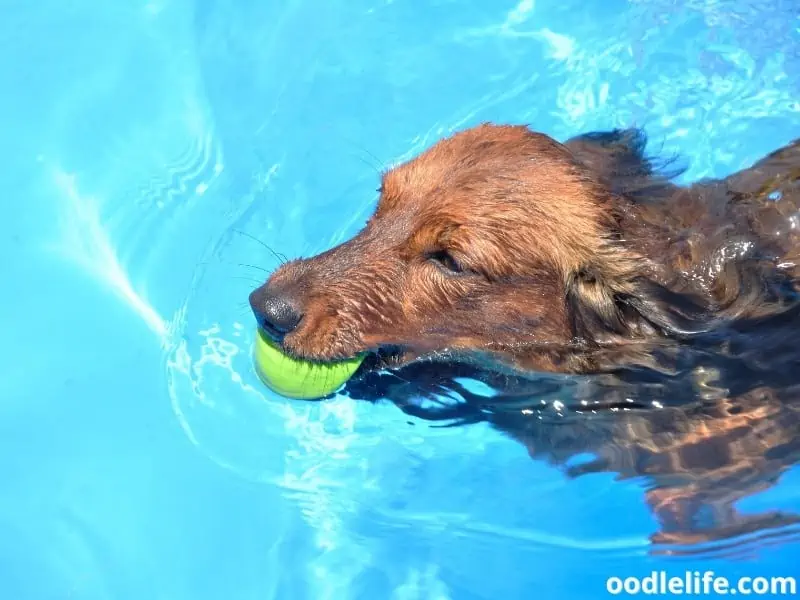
[147,143]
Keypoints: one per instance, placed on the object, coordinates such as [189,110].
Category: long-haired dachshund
[502,254]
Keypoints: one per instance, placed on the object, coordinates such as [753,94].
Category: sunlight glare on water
[153,147]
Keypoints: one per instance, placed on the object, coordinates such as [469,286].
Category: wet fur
[584,258]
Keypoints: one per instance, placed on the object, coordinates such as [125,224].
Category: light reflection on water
[268,118]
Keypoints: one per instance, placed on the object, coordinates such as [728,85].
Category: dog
[670,312]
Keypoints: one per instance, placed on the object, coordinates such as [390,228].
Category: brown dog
[499,245]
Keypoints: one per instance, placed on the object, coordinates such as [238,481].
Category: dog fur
[500,244]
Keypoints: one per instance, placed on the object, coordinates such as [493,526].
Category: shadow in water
[704,426]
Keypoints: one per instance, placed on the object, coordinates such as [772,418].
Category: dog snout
[278,313]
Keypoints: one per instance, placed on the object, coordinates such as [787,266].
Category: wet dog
[503,254]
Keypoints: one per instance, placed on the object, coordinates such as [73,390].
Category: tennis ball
[295,378]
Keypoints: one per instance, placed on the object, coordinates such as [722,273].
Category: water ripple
[366,477]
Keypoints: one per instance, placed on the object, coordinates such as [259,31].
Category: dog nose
[276,313]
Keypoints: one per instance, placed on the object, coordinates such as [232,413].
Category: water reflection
[708,425]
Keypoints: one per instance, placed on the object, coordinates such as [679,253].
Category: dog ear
[618,158]
[617,152]
[603,308]
[674,314]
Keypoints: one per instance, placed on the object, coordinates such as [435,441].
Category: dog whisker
[278,255]
[380,166]
[253,267]
[248,279]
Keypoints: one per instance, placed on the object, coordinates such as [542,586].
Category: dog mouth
[384,358]
[381,358]
[273,333]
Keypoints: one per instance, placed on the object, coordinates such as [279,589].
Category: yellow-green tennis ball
[296,378]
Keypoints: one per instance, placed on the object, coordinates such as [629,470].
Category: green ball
[295,378]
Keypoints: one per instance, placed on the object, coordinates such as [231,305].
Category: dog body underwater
[668,313]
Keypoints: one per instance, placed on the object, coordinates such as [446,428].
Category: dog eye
[446,261]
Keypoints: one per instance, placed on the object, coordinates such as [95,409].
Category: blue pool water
[144,141]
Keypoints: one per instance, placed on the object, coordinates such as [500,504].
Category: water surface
[146,143]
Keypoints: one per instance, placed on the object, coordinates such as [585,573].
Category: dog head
[498,240]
